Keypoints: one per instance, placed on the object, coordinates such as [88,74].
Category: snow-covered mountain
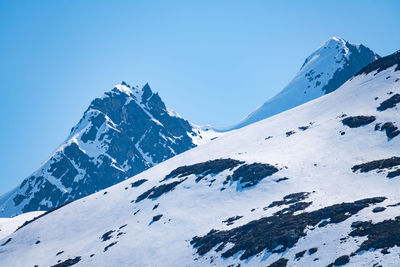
[325,70]
[124,132]
[313,186]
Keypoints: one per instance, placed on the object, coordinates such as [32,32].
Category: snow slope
[325,70]
[9,225]
[127,130]
[307,187]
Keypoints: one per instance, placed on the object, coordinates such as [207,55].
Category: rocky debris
[358,121]
[158,191]
[68,262]
[268,233]
[389,103]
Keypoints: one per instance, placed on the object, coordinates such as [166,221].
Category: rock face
[124,132]
[324,71]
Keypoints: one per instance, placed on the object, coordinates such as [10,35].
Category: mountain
[124,132]
[313,186]
[325,70]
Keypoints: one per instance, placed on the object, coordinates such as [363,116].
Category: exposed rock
[391,130]
[357,121]
[378,209]
[110,245]
[106,236]
[342,260]
[382,64]
[205,168]
[270,232]
[379,165]
[389,103]
[290,133]
[300,254]
[138,182]
[231,220]
[312,251]
[249,175]
[282,262]
[158,191]
[68,262]
[381,235]
[156,218]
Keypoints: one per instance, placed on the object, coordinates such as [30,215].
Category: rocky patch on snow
[357,121]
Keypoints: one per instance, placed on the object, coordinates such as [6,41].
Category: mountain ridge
[326,69]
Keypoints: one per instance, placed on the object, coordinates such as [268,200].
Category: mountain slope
[126,131]
[9,225]
[314,186]
[323,72]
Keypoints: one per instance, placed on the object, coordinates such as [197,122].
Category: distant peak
[334,42]
[336,39]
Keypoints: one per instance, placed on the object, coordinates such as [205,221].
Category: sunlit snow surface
[9,225]
[310,82]
[316,160]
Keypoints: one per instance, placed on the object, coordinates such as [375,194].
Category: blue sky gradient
[211,61]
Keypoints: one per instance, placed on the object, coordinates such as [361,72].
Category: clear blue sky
[211,61]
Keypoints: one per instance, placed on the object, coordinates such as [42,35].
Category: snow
[317,159]
[308,84]
[9,225]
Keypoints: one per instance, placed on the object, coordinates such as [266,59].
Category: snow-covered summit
[325,70]
[125,131]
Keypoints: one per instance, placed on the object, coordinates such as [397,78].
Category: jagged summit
[325,70]
[125,131]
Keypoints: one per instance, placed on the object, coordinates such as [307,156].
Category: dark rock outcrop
[357,121]
[278,231]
